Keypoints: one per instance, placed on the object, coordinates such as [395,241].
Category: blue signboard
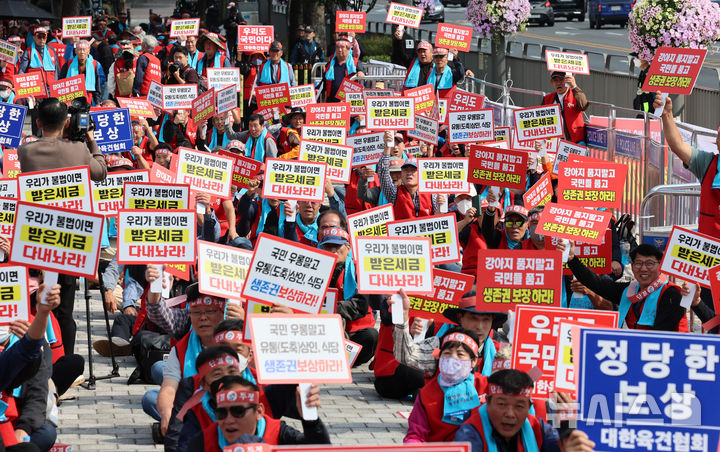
[596,137]
[12,118]
[628,145]
[113,130]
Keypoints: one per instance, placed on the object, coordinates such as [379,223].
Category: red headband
[336,232]
[230,397]
[229,336]
[462,338]
[206,300]
[224,360]
[494,389]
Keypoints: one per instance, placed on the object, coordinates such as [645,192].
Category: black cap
[276,45]
[309,29]
[557,74]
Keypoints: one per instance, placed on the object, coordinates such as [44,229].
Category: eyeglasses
[439,57]
[514,224]
[200,314]
[238,412]
[648,264]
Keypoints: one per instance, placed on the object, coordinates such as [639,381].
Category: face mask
[256,62]
[243,362]
[637,62]
[5,93]
[4,334]
[463,205]
[453,370]
[536,237]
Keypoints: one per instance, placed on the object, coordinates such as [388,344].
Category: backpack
[148,347]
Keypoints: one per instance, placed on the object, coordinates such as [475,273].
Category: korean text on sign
[523,277]
[226,99]
[337,158]
[592,184]
[404,15]
[12,118]
[142,195]
[539,194]
[460,100]
[178,97]
[254,38]
[350,21]
[328,115]
[222,269]
[426,129]
[335,135]
[272,96]
[372,222]
[564,150]
[390,113]
[244,169]
[448,289]
[14,296]
[205,172]
[221,77]
[537,123]
[8,52]
[302,95]
[348,86]
[108,194]
[387,264]
[138,107]
[288,273]
[7,217]
[79,27]
[11,163]
[443,175]
[184,27]
[674,70]
[576,63]
[424,98]
[159,236]
[498,167]
[55,239]
[69,88]
[288,179]
[367,148]
[68,188]
[567,222]
[453,37]
[30,84]
[9,188]
[690,256]
[203,106]
[471,126]
[440,229]
[597,257]
[113,130]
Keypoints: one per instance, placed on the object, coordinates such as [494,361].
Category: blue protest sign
[113,131]
[12,118]
[628,145]
[596,137]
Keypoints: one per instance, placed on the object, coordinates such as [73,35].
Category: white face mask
[4,334]
[243,362]
[5,93]
[463,205]
[637,62]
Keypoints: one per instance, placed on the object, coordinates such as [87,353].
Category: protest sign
[367,148]
[440,229]
[451,36]
[204,172]
[334,135]
[443,175]
[426,129]
[690,256]
[244,169]
[471,126]
[9,188]
[328,115]
[404,15]
[178,97]
[567,222]
[226,99]
[156,236]
[357,103]
[460,100]
[441,111]
[498,167]
[371,222]
[254,38]
[14,296]
[55,239]
[290,179]
[155,94]
[113,130]
[448,289]
[161,175]
[375,92]
[674,70]
[575,63]
[8,52]
[272,96]
[150,195]
[337,158]
[352,349]
[290,349]
[77,27]
[108,194]
[69,88]
[11,163]
[330,304]
[184,27]
[137,106]
[592,184]
[7,217]
[387,264]
[288,273]
[424,97]
[302,95]
[502,134]
[644,389]
[348,86]
[534,343]
[350,21]
[565,148]
[222,269]
[12,119]
[67,187]
[536,123]
[30,84]
[596,257]
[565,362]
[539,194]
[221,77]
[203,106]
[390,113]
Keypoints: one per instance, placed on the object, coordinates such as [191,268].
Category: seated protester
[343,65]
[180,72]
[214,224]
[83,63]
[288,140]
[301,225]
[257,214]
[447,399]
[144,138]
[163,155]
[375,195]
[178,129]
[514,235]
[216,134]
[504,422]
[648,302]
[275,70]
[240,413]
[214,54]
[259,143]
[7,90]
[442,77]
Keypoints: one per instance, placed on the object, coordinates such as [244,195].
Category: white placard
[387,264]
[222,269]
[156,236]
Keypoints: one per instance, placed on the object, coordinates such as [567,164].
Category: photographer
[180,72]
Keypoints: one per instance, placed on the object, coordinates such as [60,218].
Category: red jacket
[572,115]
[211,439]
[404,207]
[631,319]
[709,218]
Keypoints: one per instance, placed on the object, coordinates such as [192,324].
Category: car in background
[604,12]
[462,3]
[542,13]
[569,9]
[433,13]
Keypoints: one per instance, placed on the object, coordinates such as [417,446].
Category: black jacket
[34,395]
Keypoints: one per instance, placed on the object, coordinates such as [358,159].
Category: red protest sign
[674,70]
[453,37]
[30,84]
[160,174]
[272,96]
[11,163]
[540,193]
[348,86]
[459,100]
[592,184]
[567,222]
[68,89]
[448,289]
[350,21]
[497,167]
[424,98]
[523,277]
[254,38]
[714,276]
[595,257]
[138,107]
[203,106]
[328,115]
[244,169]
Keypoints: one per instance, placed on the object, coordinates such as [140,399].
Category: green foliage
[377,47]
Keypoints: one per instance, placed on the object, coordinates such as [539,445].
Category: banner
[77,27]
[539,194]
[334,135]
[498,167]
[460,100]
[9,188]
[178,97]
[368,148]
[69,88]
[290,179]
[567,222]
[426,130]
[592,184]
[595,257]
[155,95]
[350,21]
[161,175]
[302,95]
[390,113]
[221,77]
[404,15]
[144,195]
[674,70]
[244,169]
[451,36]
[387,264]
[272,96]
[440,229]
[11,163]
[336,157]
[348,86]
[30,85]
[448,289]
[203,106]
[534,343]
[357,104]
[7,217]
[523,277]
[68,188]
[184,27]
[690,256]
[8,52]
[108,195]
[328,115]
[537,123]
[424,98]
[291,349]
[222,269]
[288,273]
[137,106]
[12,120]
[55,239]
[471,127]
[564,150]
[14,296]
[575,63]
[113,130]
[156,236]
[226,99]
[443,175]
[205,172]
[371,222]
[254,38]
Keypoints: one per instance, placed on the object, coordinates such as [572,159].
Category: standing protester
[83,63]
[147,69]
[572,103]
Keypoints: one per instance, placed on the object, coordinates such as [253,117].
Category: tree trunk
[70,8]
[315,16]
[498,64]
[295,18]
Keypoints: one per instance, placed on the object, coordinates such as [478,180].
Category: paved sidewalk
[111,418]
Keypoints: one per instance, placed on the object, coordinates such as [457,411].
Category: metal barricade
[654,229]
[379,75]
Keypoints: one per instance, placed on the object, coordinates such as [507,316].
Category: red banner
[68,89]
[453,37]
[592,184]
[674,70]
[244,169]
[203,106]
[497,167]
[11,163]
[540,193]
[30,84]
[449,287]
[424,98]
[328,115]
[138,107]
[459,100]
[254,38]
[595,257]
[567,222]
[272,96]
[349,21]
[348,86]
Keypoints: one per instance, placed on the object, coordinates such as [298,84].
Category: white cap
[231,5]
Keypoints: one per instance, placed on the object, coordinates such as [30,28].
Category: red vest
[223,59]
[118,68]
[709,218]
[7,431]
[475,242]
[328,83]
[48,76]
[256,223]
[572,115]
[58,350]
[385,363]
[476,422]
[353,204]
[181,349]
[524,245]
[211,439]
[405,207]
[631,319]
[368,321]
[152,73]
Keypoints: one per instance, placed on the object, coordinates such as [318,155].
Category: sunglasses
[238,412]
[514,224]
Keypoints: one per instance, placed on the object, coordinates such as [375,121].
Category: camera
[80,120]
[173,68]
